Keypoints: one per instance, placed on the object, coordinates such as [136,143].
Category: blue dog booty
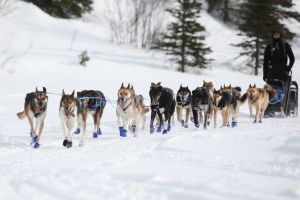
[182,122]
[233,124]
[123,132]
[169,127]
[36,145]
[165,131]
[159,129]
[133,128]
[33,140]
[95,135]
[99,132]
[77,131]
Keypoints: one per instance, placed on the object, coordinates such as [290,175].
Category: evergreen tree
[227,10]
[258,19]
[64,8]
[184,41]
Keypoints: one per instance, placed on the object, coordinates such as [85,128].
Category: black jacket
[275,60]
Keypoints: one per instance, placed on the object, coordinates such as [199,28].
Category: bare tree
[135,22]
[6,7]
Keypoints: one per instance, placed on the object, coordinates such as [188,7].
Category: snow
[252,161]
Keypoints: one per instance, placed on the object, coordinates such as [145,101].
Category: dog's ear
[250,85]
[63,92]
[254,85]
[204,83]
[73,93]
[122,86]
[180,86]
[158,84]
[229,86]
[44,89]
[128,86]
[36,90]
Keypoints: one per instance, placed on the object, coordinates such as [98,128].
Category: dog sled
[286,100]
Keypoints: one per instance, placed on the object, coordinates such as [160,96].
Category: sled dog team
[203,104]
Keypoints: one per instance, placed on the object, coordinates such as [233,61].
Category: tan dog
[259,99]
[228,99]
[130,111]
[214,109]
[35,107]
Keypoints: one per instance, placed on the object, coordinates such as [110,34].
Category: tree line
[141,23]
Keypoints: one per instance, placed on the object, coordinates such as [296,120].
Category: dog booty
[192,119]
[152,130]
[133,129]
[77,131]
[228,125]
[36,145]
[186,126]
[158,129]
[99,131]
[69,144]
[95,135]
[182,122]
[169,128]
[123,132]
[33,140]
[165,131]
[233,124]
[65,142]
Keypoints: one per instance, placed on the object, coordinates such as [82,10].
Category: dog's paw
[197,125]
[81,144]
[165,131]
[33,140]
[77,131]
[69,144]
[260,121]
[186,126]
[255,121]
[192,119]
[36,145]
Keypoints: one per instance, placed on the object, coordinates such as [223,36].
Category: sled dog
[130,111]
[183,102]
[35,107]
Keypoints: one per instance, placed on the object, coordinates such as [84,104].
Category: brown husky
[228,100]
[214,109]
[72,112]
[259,99]
[35,107]
[130,110]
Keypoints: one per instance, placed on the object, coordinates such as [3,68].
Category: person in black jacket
[276,58]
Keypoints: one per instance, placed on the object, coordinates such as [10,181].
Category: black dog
[162,101]
[201,102]
[94,102]
[183,101]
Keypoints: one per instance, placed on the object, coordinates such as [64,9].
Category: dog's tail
[269,89]
[243,98]
[22,115]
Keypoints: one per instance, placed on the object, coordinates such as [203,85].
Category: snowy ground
[252,161]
